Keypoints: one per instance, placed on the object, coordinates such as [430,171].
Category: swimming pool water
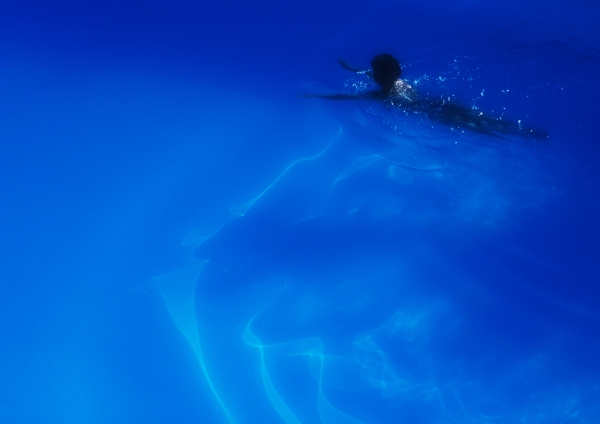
[186,240]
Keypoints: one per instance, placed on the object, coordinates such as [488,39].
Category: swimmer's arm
[331,96]
[369,95]
[347,67]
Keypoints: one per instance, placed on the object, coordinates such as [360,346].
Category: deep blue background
[443,277]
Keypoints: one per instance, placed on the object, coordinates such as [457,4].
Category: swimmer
[395,92]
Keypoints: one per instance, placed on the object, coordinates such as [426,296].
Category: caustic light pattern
[336,296]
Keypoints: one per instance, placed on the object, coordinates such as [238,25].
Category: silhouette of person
[395,92]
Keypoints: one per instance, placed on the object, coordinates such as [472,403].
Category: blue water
[184,240]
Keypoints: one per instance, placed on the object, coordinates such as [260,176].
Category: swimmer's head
[386,71]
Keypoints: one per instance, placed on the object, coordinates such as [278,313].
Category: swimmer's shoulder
[404,93]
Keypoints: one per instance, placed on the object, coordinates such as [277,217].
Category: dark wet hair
[386,71]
